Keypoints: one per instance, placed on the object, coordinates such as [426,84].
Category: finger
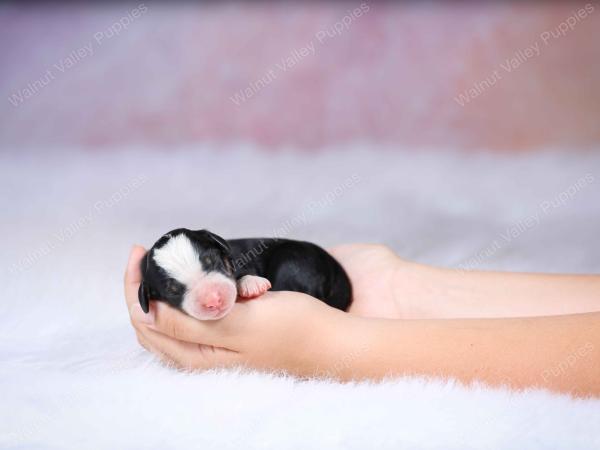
[133,275]
[188,355]
[178,325]
[339,251]
[144,342]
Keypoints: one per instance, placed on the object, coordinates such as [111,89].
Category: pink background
[390,78]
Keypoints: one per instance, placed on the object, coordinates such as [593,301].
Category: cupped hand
[383,284]
[285,331]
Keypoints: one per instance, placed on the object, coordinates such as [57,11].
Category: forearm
[462,294]
[560,353]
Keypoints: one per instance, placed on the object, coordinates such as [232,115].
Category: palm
[372,270]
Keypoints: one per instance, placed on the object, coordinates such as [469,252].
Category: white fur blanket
[72,375]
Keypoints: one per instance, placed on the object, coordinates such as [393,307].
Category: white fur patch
[180,260]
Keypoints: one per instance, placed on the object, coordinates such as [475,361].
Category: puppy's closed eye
[174,288]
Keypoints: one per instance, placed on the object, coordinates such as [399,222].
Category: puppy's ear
[143,292]
[144,297]
[218,239]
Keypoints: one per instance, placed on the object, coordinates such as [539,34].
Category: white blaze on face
[181,261]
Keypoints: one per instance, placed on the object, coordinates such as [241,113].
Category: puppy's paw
[250,286]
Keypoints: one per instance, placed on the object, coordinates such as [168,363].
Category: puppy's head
[192,271]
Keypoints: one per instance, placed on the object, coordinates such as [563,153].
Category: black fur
[289,265]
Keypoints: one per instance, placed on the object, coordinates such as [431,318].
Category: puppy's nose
[212,300]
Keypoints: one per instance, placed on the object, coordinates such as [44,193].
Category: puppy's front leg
[250,286]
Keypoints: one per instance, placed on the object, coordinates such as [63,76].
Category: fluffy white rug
[72,375]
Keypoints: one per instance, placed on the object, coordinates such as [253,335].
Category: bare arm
[502,294]
[416,291]
[297,334]
[561,353]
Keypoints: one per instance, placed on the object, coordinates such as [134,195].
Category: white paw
[250,286]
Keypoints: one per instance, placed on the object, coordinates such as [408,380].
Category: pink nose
[212,300]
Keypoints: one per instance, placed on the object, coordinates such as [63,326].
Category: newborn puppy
[202,273]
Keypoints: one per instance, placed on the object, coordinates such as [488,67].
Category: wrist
[351,344]
[330,345]
[419,289]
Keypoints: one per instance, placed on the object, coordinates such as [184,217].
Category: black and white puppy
[203,274]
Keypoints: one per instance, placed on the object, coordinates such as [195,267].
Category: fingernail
[139,315]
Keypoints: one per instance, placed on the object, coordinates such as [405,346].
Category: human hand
[383,284]
[278,331]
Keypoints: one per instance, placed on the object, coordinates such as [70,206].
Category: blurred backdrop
[491,75]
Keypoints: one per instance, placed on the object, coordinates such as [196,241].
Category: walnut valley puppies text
[524,54]
[296,55]
[77,55]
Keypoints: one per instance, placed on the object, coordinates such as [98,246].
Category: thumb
[133,274]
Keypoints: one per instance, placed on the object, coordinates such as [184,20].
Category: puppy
[202,274]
